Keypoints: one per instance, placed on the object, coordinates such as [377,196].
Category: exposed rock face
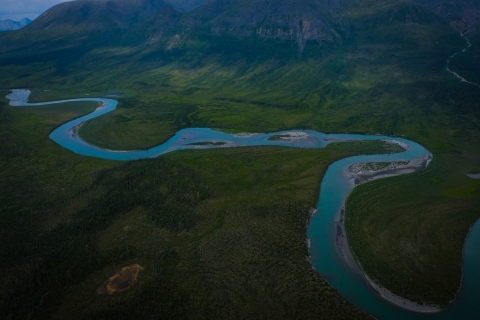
[9,25]
[297,21]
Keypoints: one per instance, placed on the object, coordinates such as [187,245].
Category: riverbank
[289,136]
[360,173]
[363,172]
[399,301]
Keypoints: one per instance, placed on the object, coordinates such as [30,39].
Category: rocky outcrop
[297,21]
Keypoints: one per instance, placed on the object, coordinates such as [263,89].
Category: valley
[224,225]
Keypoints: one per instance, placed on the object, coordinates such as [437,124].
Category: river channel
[330,259]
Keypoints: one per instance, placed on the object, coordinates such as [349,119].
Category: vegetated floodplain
[175,256]
[151,123]
[411,245]
[218,233]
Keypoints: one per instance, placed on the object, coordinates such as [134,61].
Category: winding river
[332,259]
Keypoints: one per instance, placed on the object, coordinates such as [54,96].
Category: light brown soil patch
[122,281]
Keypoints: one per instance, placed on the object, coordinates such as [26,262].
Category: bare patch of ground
[122,281]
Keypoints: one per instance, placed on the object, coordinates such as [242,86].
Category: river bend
[331,260]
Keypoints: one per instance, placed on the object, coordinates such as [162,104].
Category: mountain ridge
[10,25]
[98,15]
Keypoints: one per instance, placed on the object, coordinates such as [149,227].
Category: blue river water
[345,276]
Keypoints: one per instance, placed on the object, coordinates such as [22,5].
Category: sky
[19,9]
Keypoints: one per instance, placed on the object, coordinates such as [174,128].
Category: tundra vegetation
[218,233]
[221,233]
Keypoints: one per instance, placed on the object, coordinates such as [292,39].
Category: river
[333,261]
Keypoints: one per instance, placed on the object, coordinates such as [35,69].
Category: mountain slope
[295,21]
[236,29]
[70,29]
[87,15]
[461,14]
[467,62]
[245,27]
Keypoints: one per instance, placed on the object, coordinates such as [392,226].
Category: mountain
[290,22]
[298,22]
[96,15]
[250,26]
[243,18]
[151,33]
[8,25]
[75,27]
[102,15]
[461,14]
[294,21]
